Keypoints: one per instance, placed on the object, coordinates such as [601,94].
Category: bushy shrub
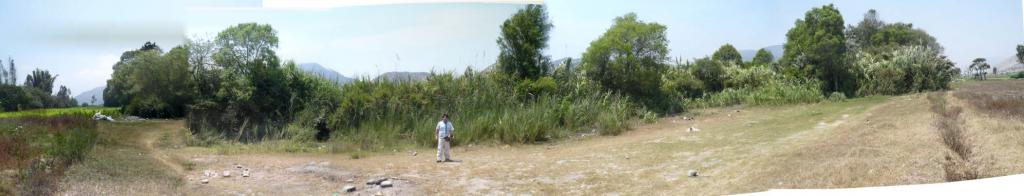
[484,107]
[773,92]
[903,70]
[753,77]
[679,83]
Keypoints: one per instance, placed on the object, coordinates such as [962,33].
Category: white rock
[692,129]
[349,188]
[227,174]
[692,173]
[386,184]
[204,181]
[414,153]
[245,173]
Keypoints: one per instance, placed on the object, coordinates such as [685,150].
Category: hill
[395,76]
[1008,64]
[86,97]
[776,51]
[326,73]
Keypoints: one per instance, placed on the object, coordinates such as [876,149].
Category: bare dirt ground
[873,141]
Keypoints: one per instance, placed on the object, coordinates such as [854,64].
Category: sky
[81,40]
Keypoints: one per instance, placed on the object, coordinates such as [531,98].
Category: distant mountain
[86,97]
[326,73]
[1008,65]
[776,51]
[403,76]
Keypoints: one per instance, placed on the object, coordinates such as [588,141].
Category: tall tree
[817,40]
[1020,54]
[728,53]
[42,80]
[522,39]
[629,57]
[979,66]
[119,85]
[12,73]
[860,36]
[3,73]
[763,57]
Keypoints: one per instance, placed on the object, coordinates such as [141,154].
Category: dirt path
[864,142]
[149,138]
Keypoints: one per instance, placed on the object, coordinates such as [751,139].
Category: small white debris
[414,153]
[386,184]
[205,181]
[245,173]
[692,129]
[227,173]
[349,188]
[692,173]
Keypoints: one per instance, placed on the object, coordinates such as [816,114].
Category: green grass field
[76,111]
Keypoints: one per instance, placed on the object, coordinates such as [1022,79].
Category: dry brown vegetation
[997,97]
[950,128]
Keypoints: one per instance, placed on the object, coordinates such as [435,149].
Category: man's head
[444,117]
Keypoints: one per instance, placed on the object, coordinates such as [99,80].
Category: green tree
[979,67]
[860,36]
[629,57]
[522,39]
[818,41]
[763,57]
[11,73]
[42,80]
[877,37]
[119,85]
[63,98]
[728,53]
[710,72]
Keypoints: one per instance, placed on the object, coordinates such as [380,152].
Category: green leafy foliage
[1020,54]
[816,47]
[728,53]
[762,58]
[629,58]
[908,69]
[711,73]
[523,37]
[150,84]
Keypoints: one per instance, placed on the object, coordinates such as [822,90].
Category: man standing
[444,131]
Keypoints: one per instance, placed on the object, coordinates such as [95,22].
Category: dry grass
[1004,97]
[123,164]
[996,133]
[950,126]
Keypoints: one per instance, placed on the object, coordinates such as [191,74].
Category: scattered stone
[692,173]
[692,129]
[133,118]
[379,193]
[737,111]
[386,184]
[227,173]
[205,181]
[245,173]
[687,118]
[414,153]
[348,188]
[375,181]
[350,180]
